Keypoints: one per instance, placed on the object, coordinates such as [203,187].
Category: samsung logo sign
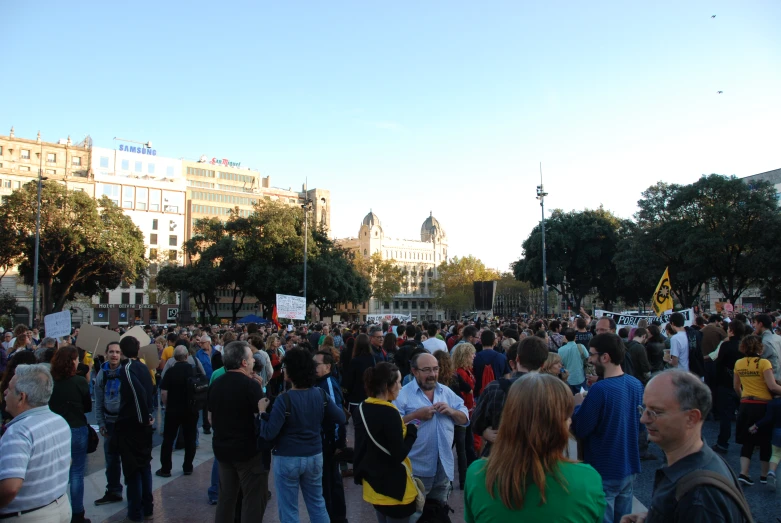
[137,150]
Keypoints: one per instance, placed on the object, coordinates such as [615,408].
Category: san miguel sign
[216,161]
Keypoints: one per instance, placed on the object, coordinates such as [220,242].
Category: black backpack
[696,357]
[197,392]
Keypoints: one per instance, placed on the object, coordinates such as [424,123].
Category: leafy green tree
[334,277]
[453,286]
[197,279]
[86,246]
[385,277]
[579,247]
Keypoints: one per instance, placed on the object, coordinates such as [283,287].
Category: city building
[21,160]
[151,190]
[418,260]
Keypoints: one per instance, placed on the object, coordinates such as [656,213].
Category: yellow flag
[663,298]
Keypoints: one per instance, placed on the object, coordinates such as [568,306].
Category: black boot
[79,518]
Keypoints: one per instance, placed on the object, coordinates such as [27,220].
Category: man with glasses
[607,423]
[436,410]
[676,405]
[376,338]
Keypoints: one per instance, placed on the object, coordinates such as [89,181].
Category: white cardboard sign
[57,324]
[291,307]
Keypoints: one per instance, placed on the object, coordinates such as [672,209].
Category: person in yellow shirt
[168,352]
[754,382]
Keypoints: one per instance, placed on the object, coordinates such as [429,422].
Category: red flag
[275,317]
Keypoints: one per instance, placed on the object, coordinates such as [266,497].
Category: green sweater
[71,400]
[583,501]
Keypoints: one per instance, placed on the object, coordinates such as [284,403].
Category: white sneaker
[771,481]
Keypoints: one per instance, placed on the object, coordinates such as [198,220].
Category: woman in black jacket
[381,462]
[654,348]
[352,383]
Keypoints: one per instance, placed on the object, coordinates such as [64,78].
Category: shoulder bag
[420,498]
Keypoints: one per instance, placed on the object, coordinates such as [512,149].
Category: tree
[453,286]
[12,246]
[335,278]
[385,276]
[198,279]
[86,246]
[579,248]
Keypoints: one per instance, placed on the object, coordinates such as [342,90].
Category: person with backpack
[107,404]
[697,484]
[180,411]
[532,352]
[489,364]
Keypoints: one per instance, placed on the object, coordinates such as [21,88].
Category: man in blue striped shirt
[35,451]
[437,410]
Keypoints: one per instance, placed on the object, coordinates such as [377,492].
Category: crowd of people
[488,407]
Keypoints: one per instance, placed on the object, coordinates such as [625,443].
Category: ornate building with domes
[418,259]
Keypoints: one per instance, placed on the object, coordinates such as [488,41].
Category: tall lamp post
[37,236]
[541,194]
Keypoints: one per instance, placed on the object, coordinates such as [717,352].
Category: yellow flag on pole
[663,297]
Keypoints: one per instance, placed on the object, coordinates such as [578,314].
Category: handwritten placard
[58,324]
[291,307]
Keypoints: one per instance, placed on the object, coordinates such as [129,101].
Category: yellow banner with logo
[663,296]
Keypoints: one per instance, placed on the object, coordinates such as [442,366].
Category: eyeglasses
[652,415]
[429,370]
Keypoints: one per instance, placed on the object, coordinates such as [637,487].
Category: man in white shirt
[433,344]
[679,344]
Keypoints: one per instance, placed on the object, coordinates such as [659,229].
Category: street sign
[172,313]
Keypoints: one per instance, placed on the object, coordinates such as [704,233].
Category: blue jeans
[113,464]
[139,494]
[79,439]
[214,488]
[289,473]
[618,498]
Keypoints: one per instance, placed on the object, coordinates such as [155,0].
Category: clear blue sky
[411,107]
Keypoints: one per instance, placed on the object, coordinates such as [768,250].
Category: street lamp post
[37,236]
[541,194]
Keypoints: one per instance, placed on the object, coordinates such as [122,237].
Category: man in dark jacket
[635,349]
[132,438]
[178,413]
[404,354]
[334,439]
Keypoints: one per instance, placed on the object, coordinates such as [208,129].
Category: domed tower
[370,234]
[432,231]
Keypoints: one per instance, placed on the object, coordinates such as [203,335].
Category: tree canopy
[453,286]
[87,246]
[385,277]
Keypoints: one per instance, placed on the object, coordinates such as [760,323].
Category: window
[76,161]
[150,168]
[152,254]
[169,171]
[1,150]
[385,305]
[7,184]
[104,297]
[139,167]
[127,198]
[17,185]
[139,298]
[25,154]
[395,304]
[154,225]
[153,239]
[51,158]
[51,171]
[139,284]
[405,305]
[142,195]
[104,162]
[125,165]
[112,191]
[123,284]
[24,168]
[172,255]
[125,297]
[172,240]
[414,304]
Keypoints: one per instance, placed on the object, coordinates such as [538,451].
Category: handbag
[420,498]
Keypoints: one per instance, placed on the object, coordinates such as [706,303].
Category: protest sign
[150,356]
[291,307]
[58,324]
[138,333]
[631,320]
[379,318]
[94,339]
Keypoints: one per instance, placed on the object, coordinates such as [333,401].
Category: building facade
[418,260]
[151,190]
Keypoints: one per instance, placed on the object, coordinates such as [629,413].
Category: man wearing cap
[204,355]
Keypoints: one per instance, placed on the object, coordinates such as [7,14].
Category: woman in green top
[71,400]
[526,477]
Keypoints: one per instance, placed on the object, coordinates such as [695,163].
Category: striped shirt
[435,436]
[37,449]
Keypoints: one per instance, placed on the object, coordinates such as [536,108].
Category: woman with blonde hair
[463,358]
[555,367]
[526,476]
